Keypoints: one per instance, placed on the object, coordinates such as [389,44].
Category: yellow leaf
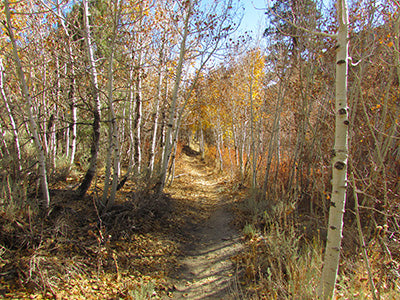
[390,44]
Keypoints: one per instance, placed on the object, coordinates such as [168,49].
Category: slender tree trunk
[220,146]
[71,150]
[54,143]
[156,113]
[171,171]
[107,171]
[87,180]
[242,141]
[45,113]
[339,164]
[114,142]
[17,151]
[4,148]
[273,146]
[163,136]
[202,144]
[253,144]
[53,138]
[131,109]
[304,112]
[397,45]
[168,140]
[116,162]
[138,116]
[29,104]
[72,126]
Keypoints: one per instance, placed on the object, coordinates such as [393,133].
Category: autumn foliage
[258,112]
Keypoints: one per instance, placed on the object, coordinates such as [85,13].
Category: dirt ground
[208,238]
[178,246]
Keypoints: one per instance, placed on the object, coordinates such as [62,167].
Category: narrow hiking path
[207,235]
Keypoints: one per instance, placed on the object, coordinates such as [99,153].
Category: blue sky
[253,17]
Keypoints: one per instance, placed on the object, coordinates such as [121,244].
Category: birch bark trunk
[87,180]
[157,112]
[339,163]
[70,70]
[397,45]
[29,104]
[273,147]
[113,151]
[138,116]
[202,144]
[168,140]
[13,124]
[131,109]
[253,142]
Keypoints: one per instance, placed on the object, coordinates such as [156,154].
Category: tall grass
[283,259]
[279,263]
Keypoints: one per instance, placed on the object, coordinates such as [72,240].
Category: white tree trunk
[339,169]
[156,114]
[45,113]
[74,117]
[168,140]
[70,67]
[11,117]
[29,104]
[202,143]
[131,96]
[96,99]
[253,144]
[397,45]
[138,115]
[113,151]
[107,171]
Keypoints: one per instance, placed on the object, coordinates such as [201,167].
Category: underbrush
[283,256]
[75,251]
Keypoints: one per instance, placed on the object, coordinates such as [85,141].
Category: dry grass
[279,264]
[284,254]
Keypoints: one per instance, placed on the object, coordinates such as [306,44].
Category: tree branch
[318,33]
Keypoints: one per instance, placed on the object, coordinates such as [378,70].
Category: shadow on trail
[189,151]
[207,271]
[208,239]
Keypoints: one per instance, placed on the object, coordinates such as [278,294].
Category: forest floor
[183,244]
[178,246]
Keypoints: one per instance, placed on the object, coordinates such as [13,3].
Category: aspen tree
[83,188]
[168,140]
[135,89]
[29,104]
[396,44]
[11,117]
[157,108]
[273,146]
[71,136]
[137,123]
[130,98]
[340,157]
[113,151]
[202,145]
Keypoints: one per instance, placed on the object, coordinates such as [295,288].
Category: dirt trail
[208,237]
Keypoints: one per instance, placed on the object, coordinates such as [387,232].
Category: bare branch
[313,32]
